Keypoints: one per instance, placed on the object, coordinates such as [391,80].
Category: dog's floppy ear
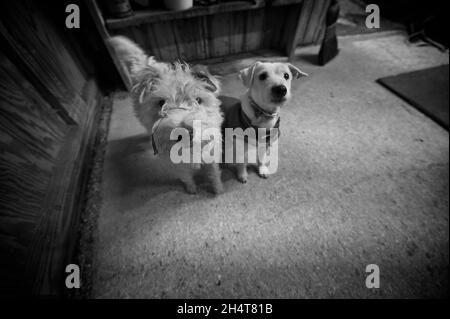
[201,73]
[246,75]
[296,72]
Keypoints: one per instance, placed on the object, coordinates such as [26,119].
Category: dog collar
[259,111]
[270,134]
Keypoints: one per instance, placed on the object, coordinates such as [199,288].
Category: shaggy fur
[168,96]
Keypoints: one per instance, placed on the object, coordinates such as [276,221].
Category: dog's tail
[129,53]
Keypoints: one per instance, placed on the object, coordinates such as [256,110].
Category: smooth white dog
[268,89]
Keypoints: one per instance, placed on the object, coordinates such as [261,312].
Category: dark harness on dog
[235,117]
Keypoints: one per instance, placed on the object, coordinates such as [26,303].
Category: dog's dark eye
[286,76]
[161,103]
[262,76]
[199,100]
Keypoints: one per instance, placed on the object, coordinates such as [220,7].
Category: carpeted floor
[363,179]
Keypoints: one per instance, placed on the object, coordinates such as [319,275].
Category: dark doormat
[427,90]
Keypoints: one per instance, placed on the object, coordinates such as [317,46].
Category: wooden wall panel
[138,35]
[254,30]
[195,36]
[152,46]
[218,37]
[31,135]
[44,54]
[49,102]
[189,38]
[316,20]
[165,41]
[237,32]
[274,20]
[209,36]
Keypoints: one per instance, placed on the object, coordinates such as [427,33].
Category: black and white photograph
[222,155]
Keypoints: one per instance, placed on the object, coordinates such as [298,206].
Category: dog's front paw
[263,171]
[243,178]
[241,173]
[217,189]
[190,189]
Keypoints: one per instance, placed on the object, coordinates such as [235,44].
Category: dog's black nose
[279,90]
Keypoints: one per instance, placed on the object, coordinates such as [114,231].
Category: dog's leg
[263,170]
[188,181]
[241,172]
[214,176]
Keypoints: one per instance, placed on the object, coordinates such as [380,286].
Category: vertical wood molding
[96,15]
[49,105]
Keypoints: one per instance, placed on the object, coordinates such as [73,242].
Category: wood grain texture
[223,29]
[315,20]
[227,28]
[139,36]
[154,16]
[187,35]
[218,34]
[48,104]
[296,25]
[44,55]
[236,32]
[31,135]
[320,28]
[152,46]
[99,22]
[254,30]
[273,28]
[53,241]
[164,36]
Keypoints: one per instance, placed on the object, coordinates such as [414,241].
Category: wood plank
[218,35]
[163,33]
[205,36]
[43,159]
[41,53]
[314,21]
[12,264]
[139,37]
[198,39]
[152,45]
[273,29]
[305,17]
[236,32]
[27,121]
[99,22]
[188,38]
[31,135]
[320,29]
[54,239]
[297,21]
[152,16]
[254,28]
